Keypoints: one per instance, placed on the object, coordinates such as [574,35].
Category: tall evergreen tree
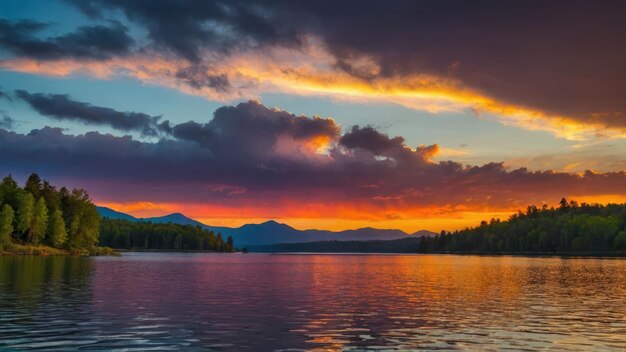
[220,242]
[6,226]
[33,185]
[25,213]
[230,243]
[82,218]
[60,218]
[9,191]
[51,195]
[57,233]
[40,222]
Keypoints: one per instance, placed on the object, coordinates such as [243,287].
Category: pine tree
[57,233]
[9,191]
[40,222]
[230,244]
[25,213]
[6,226]
[82,218]
[33,185]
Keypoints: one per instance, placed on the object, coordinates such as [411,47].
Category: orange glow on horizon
[454,221]
[337,217]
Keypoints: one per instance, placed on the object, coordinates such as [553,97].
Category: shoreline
[23,250]
[535,254]
[169,251]
[44,251]
[486,254]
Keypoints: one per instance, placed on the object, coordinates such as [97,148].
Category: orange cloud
[314,72]
[142,208]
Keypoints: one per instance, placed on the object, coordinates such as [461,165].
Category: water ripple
[199,302]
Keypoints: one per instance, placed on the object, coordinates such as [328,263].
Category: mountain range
[272,232]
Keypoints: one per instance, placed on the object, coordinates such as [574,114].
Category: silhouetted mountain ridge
[272,232]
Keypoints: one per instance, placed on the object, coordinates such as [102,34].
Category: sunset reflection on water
[312,302]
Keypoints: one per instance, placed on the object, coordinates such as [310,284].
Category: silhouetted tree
[620,241]
[33,185]
[230,242]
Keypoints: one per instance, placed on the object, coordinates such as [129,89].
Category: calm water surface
[157,301]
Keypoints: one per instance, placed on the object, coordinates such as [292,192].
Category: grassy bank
[18,249]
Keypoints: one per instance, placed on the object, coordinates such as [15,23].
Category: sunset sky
[319,114]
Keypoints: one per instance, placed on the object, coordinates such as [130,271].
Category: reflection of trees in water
[34,286]
[43,300]
[325,302]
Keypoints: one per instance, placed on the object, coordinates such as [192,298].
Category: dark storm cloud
[247,127]
[62,107]
[241,148]
[87,42]
[370,139]
[562,57]
[258,127]
[379,144]
[251,130]
[185,27]
[200,133]
[196,77]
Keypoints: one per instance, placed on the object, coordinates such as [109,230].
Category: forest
[40,214]
[569,228]
[402,245]
[124,234]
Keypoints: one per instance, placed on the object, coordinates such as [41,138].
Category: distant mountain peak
[272,231]
[176,215]
[424,233]
[274,223]
[113,214]
[270,225]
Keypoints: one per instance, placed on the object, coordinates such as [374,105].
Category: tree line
[39,213]
[124,234]
[571,227]
[402,245]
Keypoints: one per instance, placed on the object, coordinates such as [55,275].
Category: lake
[263,302]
